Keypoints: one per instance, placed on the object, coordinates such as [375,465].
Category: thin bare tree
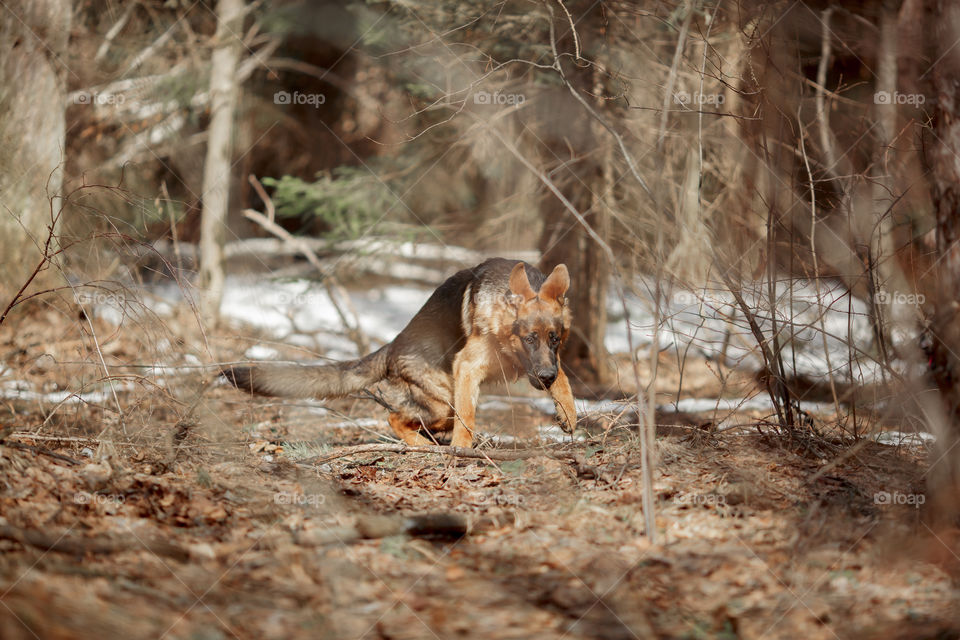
[224,89]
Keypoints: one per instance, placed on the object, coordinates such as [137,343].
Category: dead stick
[24,435]
[40,451]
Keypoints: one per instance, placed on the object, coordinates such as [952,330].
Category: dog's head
[542,324]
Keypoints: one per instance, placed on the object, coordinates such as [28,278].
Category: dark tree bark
[586,181]
[564,240]
[944,324]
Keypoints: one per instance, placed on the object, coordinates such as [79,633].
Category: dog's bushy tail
[310,381]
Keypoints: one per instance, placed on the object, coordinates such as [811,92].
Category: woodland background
[759,204]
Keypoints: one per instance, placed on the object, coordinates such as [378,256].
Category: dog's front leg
[469,370]
[562,396]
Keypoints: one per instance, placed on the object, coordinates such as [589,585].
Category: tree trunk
[33,42]
[584,353]
[216,170]
[587,184]
[944,326]
[888,276]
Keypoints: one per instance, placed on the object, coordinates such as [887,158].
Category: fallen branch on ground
[40,451]
[80,546]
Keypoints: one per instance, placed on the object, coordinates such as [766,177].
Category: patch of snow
[499,438]
[543,405]
[159,370]
[110,313]
[710,323]
[299,311]
[359,422]
[495,405]
[758,402]
[261,352]
[899,438]
[553,433]
[603,406]
[20,390]
[162,308]
[280,307]
[736,421]
[385,312]
[546,433]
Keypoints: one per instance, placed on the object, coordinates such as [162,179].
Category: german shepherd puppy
[500,318]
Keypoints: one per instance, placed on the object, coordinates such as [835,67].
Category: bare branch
[334,289]
[672,75]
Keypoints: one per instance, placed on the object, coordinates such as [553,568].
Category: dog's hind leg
[414,409]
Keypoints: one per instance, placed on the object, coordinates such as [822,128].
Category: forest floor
[193,511]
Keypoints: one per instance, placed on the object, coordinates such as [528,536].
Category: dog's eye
[554,338]
[530,338]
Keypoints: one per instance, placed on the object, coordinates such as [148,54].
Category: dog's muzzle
[542,379]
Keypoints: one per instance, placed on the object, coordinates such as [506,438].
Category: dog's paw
[566,418]
[461,440]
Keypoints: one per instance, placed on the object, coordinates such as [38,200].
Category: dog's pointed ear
[520,285]
[556,284]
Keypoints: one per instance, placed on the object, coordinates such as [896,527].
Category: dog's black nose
[546,378]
